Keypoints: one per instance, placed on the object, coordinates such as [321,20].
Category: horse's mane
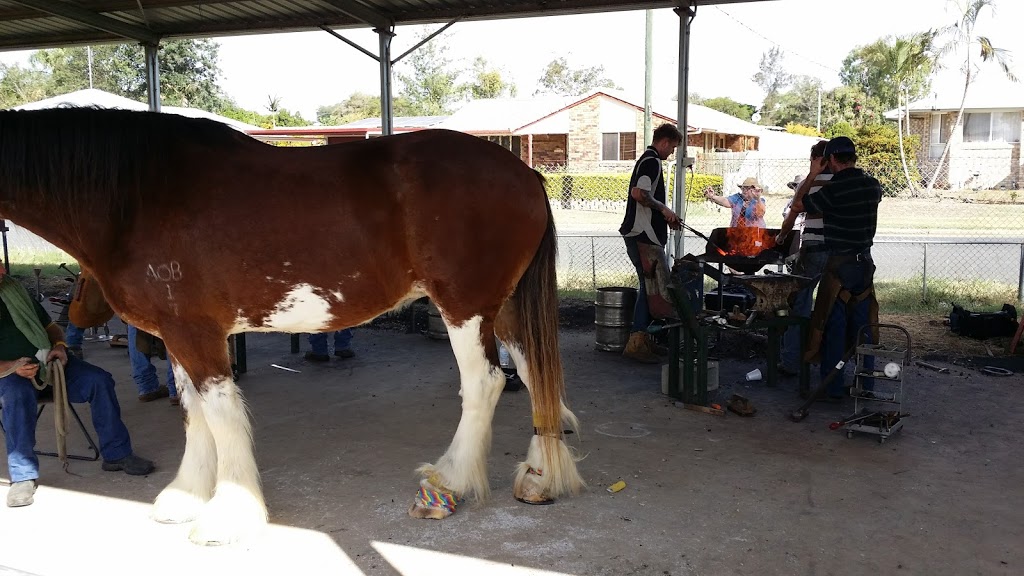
[95,159]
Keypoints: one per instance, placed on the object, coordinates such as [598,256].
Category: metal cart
[879,411]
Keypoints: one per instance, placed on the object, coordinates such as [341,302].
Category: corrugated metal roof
[44,23]
[398,122]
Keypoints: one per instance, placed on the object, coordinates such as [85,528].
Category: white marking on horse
[287,264]
[301,310]
[338,295]
[167,272]
[464,464]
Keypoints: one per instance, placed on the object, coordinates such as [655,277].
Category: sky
[312,69]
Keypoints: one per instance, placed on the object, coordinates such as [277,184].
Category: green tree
[189,72]
[728,106]
[799,104]
[486,82]
[890,67]
[878,152]
[962,39]
[559,78]
[355,107]
[20,85]
[773,79]
[851,105]
[430,84]
[895,71]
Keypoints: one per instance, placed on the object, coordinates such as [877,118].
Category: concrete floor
[337,445]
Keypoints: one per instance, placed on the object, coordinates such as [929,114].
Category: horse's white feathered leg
[462,471]
[237,506]
[182,499]
[550,469]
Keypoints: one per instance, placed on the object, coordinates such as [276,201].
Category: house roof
[101,99]
[711,120]
[504,115]
[515,115]
[399,122]
[990,91]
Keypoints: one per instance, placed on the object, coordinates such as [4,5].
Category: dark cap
[840,145]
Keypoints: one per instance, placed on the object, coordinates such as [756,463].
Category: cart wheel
[849,433]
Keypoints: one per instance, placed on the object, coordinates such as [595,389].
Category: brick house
[602,130]
[599,131]
[985,148]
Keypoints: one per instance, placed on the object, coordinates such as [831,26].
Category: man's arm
[795,209]
[644,197]
[58,349]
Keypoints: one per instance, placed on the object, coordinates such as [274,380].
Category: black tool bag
[983,325]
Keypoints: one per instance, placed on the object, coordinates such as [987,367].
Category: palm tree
[905,60]
[962,38]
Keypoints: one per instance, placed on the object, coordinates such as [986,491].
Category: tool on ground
[800,413]
[996,371]
[855,418]
[938,369]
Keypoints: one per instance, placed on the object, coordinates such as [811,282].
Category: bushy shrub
[614,187]
[878,152]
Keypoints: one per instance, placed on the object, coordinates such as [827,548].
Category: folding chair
[46,397]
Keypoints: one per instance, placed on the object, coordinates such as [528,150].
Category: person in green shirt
[27,337]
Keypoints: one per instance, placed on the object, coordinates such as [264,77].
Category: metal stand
[879,411]
[688,341]
[81,425]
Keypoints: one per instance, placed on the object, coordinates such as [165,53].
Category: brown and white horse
[195,232]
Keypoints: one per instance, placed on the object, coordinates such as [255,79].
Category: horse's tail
[536,310]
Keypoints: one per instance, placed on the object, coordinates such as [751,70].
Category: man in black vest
[645,227]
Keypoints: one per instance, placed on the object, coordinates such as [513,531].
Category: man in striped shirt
[809,262]
[846,299]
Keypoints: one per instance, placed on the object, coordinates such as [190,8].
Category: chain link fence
[965,236]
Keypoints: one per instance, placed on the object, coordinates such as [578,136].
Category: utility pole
[819,107]
[88,54]
[648,78]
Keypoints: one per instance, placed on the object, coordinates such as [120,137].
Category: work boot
[161,392]
[131,464]
[21,493]
[655,347]
[638,348]
[344,353]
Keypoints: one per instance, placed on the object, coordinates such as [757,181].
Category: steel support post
[153,76]
[687,12]
[387,119]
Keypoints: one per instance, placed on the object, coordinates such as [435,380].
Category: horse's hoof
[433,503]
[176,506]
[228,517]
[529,490]
[541,502]
[418,510]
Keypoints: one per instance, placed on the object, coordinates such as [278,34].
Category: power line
[776,44]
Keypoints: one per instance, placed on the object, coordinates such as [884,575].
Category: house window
[941,126]
[618,146]
[992,127]
[511,143]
